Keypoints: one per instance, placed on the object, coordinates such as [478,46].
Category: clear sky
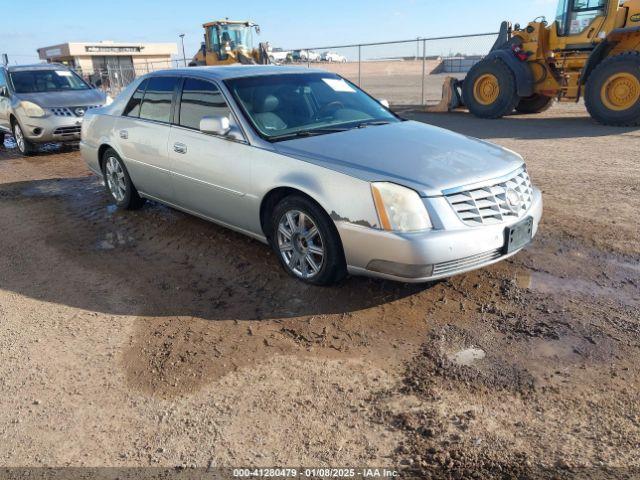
[28,25]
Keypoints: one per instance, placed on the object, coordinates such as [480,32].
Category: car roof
[36,66]
[238,71]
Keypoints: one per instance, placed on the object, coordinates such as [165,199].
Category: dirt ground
[154,338]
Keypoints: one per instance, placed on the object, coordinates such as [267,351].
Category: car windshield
[38,81]
[294,105]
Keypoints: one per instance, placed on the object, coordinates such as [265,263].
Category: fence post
[121,78]
[424,67]
[359,65]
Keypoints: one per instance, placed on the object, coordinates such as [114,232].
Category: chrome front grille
[71,111]
[75,130]
[453,266]
[506,200]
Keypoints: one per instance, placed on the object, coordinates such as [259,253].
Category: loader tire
[489,90]
[612,95]
[534,104]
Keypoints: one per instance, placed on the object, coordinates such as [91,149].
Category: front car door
[211,174]
[142,135]
[4,102]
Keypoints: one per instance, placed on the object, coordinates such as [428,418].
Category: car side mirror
[4,92]
[215,125]
[384,103]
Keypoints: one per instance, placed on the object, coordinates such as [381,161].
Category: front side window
[200,99]
[156,104]
[285,106]
[39,81]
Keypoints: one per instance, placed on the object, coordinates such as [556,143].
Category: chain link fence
[405,72]
[114,78]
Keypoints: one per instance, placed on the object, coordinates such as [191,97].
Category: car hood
[75,98]
[423,157]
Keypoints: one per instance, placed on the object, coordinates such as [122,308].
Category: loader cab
[575,17]
[224,38]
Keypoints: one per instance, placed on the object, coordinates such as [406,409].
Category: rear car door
[142,135]
[211,174]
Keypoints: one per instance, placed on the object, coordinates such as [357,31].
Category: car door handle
[179,148]
[124,134]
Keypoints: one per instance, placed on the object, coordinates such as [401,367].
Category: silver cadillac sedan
[307,162]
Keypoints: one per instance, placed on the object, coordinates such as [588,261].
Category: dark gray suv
[44,103]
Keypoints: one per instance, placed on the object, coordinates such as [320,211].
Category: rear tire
[612,95]
[534,104]
[118,182]
[489,89]
[307,242]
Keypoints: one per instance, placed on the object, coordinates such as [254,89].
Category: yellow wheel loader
[591,51]
[227,42]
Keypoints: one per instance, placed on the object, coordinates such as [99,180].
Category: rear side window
[133,107]
[200,99]
[156,104]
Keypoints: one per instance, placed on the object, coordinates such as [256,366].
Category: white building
[93,58]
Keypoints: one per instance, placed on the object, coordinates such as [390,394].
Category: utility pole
[184,56]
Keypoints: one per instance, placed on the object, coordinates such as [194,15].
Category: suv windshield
[38,81]
[294,105]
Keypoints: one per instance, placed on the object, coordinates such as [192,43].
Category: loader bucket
[451,97]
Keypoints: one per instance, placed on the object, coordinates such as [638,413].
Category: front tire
[118,182]
[306,241]
[25,147]
[612,95]
[534,104]
[489,90]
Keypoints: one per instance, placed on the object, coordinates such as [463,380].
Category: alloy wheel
[301,244]
[19,136]
[115,179]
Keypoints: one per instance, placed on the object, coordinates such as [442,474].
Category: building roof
[107,47]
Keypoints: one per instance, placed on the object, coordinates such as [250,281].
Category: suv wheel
[24,146]
[306,242]
[118,183]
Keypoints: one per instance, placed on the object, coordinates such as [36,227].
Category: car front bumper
[51,129]
[428,256]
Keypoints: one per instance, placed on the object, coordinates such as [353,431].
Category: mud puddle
[547,283]
[10,145]
[113,240]
[467,357]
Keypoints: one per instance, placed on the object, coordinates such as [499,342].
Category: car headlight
[108,101]
[32,110]
[400,209]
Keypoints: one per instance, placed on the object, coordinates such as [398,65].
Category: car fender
[344,198]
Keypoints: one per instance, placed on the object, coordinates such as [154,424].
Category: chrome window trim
[243,141]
